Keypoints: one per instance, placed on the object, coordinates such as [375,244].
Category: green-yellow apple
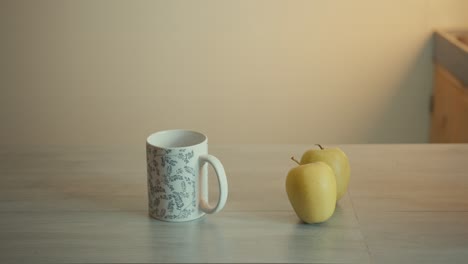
[337,160]
[311,189]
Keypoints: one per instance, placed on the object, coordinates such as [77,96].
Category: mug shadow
[201,240]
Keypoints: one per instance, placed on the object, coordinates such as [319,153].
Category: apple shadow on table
[343,208]
[319,242]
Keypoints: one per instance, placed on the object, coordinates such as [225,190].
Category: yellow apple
[311,189]
[337,160]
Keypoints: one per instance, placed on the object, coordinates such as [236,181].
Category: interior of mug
[175,138]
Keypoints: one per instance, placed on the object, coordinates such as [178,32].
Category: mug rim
[203,140]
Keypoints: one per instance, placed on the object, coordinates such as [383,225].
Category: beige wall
[111,72]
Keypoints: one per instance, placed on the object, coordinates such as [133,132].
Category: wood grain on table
[407,203]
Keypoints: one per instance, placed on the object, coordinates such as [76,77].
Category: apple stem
[319,146]
[295,160]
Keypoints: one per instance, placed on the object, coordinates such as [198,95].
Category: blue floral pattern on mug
[172,181]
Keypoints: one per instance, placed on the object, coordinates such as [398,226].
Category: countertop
[406,203]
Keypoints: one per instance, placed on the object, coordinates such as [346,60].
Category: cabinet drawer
[450,108]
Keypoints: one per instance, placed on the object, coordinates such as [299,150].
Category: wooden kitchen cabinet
[449,109]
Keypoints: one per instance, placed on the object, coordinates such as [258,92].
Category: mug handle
[222,181]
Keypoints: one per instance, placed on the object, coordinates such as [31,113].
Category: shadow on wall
[414,88]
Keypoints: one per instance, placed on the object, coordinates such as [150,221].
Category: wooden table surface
[405,204]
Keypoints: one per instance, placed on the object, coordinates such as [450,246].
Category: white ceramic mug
[178,176]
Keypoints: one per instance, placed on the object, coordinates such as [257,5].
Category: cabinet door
[450,109]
